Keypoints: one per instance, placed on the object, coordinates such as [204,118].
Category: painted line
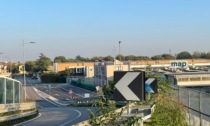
[74,118]
[28,120]
[41,106]
[45,98]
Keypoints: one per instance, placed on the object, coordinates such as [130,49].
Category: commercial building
[83,71]
[101,72]
[104,70]
[189,79]
[169,64]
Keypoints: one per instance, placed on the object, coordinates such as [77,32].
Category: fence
[10,90]
[197,104]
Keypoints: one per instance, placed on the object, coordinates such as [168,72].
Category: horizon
[94,28]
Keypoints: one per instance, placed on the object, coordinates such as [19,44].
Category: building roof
[187,73]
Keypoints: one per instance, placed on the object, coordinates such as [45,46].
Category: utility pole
[119,50]
[120,56]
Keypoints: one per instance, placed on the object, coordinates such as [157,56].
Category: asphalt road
[50,113]
[59,116]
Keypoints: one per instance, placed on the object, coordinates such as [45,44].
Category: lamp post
[24,75]
[120,69]
[119,51]
[1,61]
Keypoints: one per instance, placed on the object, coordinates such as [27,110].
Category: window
[195,79]
[205,78]
[183,79]
[118,68]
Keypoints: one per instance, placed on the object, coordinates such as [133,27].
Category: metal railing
[10,90]
[10,101]
[197,104]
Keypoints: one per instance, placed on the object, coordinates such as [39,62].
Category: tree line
[43,62]
[181,55]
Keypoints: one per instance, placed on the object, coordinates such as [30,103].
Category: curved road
[59,116]
[52,114]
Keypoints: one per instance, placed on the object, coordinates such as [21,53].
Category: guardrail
[29,108]
[125,110]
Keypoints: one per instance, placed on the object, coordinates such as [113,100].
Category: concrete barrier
[17,107]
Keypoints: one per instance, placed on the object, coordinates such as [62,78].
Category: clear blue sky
[94,27]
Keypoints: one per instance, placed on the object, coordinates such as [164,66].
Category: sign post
[70,94]
[49,87]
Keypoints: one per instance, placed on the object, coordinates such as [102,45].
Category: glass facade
[17,92]
[9,91]
[2,92]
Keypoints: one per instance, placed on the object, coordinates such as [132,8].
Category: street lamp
[1,61]
[24,75]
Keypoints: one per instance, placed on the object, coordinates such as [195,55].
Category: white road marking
[45,98]
[74,118]
[28,120]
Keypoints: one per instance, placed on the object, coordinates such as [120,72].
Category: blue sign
[151,85]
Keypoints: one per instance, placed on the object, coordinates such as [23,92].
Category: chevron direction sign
[129,86]
[151,85]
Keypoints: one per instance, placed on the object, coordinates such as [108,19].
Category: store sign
[179,64]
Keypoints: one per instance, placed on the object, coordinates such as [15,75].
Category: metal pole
[200,108]
[119,50]
[5,91]
[101,75]
[24,77]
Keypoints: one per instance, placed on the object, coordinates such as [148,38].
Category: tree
[66,72]
[120,57]
[168,112]
[168,56]
[203,55]
[60,59]
[43,63]
[79,58]
[130,57]
[196,55]
[184,55]
[108,58]
[207,55]
[142,58]
[95,58]
[157,57]
[30,66]
[14,68]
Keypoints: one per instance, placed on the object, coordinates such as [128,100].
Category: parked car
[34,77]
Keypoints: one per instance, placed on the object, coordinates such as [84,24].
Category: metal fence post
[13,86]
[5,91]
[200,108]
[189,104]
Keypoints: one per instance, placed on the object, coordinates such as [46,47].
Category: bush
[53,78]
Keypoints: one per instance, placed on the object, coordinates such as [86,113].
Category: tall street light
[24,75]
[1,61]
[120,56]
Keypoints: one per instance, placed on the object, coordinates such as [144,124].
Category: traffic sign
[151,85]
[129,86]
[70,91]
